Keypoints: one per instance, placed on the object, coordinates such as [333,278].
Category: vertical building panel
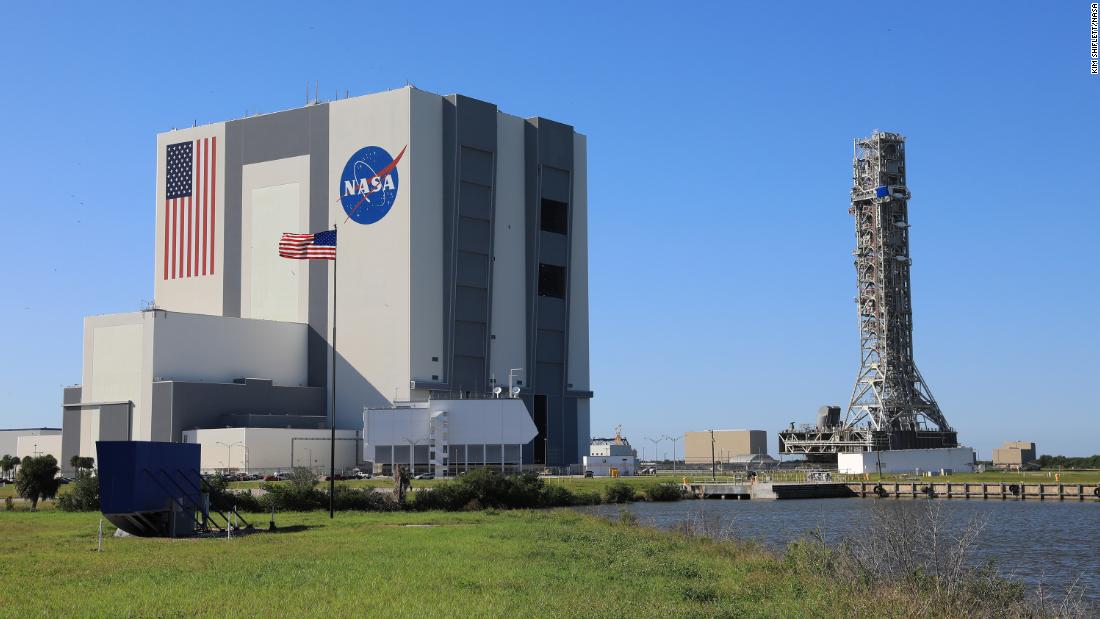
[470,143]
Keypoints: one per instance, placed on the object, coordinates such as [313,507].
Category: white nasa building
[462,267]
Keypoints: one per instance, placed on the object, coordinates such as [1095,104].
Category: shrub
[667,491]
[83,496]
[556,496]
[619,492]
[488,489]
[363,499]
[299,494]
[245,501]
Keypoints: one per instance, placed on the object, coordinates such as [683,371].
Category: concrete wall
[375,289]
[9,438]
[125,353]
[727,444]
[192,347]
[957,459]
[508,341]
[39,445]
[274,199]
[272,449]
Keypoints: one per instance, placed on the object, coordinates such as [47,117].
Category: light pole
[228,456]
[511,381]
[656,454]
[667,437]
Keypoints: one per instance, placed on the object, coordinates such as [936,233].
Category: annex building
[462,266]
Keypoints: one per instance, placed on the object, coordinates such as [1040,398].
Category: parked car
[424,476]
[362,475]
[589,474]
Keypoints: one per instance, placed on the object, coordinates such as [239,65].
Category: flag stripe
[205,205]
[165,250]
[213,193]
[173,238]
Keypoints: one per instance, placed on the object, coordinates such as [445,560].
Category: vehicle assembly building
[891,407]
[462,266]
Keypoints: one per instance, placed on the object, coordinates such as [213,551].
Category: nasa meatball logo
[368,186]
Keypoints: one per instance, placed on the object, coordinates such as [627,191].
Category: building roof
[26,429]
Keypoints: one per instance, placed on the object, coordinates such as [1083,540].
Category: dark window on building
[551,281]
[540,426]
[555,216]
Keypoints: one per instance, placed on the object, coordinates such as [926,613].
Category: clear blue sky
[719,167]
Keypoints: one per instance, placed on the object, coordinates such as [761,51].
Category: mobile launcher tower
[891,406]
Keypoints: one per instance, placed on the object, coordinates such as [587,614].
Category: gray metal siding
[549,172]
[70,427]
[203,405]
[469,168]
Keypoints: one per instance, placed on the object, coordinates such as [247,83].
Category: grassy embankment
[521,563]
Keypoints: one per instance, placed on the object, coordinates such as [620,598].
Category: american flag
[319,246]
[191,182]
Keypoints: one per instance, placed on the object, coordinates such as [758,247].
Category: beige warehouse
[728,444]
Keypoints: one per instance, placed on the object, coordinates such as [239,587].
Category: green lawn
[524,563]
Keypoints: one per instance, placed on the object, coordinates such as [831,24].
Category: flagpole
[332,441]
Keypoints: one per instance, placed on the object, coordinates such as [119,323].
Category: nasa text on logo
[368,186]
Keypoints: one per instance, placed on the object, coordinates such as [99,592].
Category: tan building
[728,444]
[1014,454]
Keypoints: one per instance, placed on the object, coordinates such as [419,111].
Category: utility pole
[713,467]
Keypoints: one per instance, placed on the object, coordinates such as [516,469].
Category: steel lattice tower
[889,394]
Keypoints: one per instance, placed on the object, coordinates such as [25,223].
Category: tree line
[1048,461]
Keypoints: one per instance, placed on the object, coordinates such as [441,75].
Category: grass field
[523,563]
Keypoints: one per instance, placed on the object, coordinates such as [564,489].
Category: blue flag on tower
[318,246]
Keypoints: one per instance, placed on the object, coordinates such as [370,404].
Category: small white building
[611,454]
[267,450]
[447,437]
[954,459]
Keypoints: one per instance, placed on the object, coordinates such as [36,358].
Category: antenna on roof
[307,93]
[316,92]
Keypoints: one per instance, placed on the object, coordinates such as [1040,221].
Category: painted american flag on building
[190,208]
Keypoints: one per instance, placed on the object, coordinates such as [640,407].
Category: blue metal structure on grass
[150,488]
